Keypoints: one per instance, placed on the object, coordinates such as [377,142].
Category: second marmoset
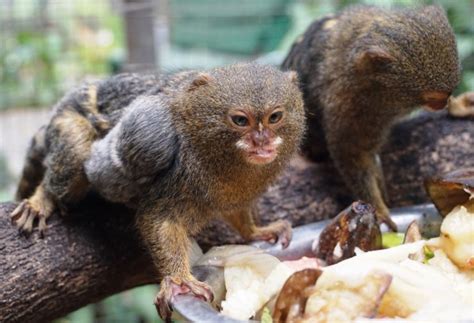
[360,71]
[181,150]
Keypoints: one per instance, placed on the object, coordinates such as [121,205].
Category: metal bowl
[194,309]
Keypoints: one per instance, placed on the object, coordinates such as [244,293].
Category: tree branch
[94,252]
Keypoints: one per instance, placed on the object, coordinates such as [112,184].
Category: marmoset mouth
[261,156]
[436,105]
[435,100]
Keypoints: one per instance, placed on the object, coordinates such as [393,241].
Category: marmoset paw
[279,231]
[171,286]
[27,212]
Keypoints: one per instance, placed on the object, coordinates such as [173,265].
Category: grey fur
[141,146]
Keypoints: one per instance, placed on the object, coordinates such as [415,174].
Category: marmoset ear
[374,58]
[293,77]
[200,80]
[432,10]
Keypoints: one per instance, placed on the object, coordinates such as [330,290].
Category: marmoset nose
[260,138]
[435,100]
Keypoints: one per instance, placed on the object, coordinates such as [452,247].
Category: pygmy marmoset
[181,150]
[360,71]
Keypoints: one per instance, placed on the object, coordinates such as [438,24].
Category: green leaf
[266,316]
[392,239]
[428,253]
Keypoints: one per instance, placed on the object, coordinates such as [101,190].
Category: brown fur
[362,70]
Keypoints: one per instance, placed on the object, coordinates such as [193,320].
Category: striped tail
[34,169]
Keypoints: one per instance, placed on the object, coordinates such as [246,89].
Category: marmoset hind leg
[70,138]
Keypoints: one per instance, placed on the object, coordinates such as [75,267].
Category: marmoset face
[250,114]
[259,138]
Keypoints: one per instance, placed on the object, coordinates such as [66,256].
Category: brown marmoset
[181,150]
[360,71]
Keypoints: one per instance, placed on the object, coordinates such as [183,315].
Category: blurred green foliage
[135,305]
[46,47]
[253,26]
[461,14]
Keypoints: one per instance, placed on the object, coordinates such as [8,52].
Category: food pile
[350,280]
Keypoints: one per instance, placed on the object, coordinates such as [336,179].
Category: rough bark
[94,252]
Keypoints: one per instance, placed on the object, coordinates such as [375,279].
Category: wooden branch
[94,252]
[82,259]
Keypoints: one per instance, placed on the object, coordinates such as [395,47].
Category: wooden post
[139,20]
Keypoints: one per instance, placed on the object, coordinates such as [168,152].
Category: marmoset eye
[240,121]
[275,117]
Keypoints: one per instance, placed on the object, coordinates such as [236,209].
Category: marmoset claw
[172,286]
[279,231]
